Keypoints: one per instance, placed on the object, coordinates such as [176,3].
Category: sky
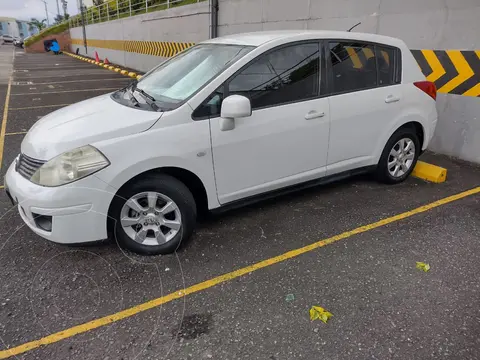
[27,9]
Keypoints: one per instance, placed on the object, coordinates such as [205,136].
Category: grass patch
[56,29]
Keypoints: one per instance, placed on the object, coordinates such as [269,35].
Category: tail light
[428,88]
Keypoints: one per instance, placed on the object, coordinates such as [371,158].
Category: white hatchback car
[228,121]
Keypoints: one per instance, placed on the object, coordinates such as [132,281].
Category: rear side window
[353,66]
[286,75]
[360,66]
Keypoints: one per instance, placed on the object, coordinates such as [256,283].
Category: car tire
[404,162]
[149,222]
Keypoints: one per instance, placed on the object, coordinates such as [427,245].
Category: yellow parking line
[4,120]
[94,324]
[64,91]
[38,107]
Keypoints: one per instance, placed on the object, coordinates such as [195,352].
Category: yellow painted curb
[430,172]
[108,66]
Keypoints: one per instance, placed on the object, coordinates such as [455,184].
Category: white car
[228,121]
[7,38]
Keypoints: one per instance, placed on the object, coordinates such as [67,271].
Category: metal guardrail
[117,9]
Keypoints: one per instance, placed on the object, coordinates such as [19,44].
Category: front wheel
[154,215]
[399,156]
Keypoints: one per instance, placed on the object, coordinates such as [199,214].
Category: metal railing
[117,9]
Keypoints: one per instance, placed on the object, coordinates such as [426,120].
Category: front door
[285,140]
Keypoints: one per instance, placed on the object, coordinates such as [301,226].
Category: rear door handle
[314,115]
[391,99]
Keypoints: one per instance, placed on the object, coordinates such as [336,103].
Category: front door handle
[314,115]
[391,99]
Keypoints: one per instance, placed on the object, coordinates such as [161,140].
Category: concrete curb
[422,170]
[110,67]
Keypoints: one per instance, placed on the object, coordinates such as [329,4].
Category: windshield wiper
[149,99]
[130,95]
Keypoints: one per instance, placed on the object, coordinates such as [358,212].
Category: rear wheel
[399,156]
[154,215]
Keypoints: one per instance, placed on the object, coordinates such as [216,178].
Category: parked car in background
[18,42]
[7,38]
[226,122]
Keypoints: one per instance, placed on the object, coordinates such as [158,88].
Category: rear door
[365,96]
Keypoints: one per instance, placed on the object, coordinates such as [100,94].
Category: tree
[39,24]
[97,2]
[60,18]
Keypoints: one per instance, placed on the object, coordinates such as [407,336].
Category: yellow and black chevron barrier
[155,48]
[452,71]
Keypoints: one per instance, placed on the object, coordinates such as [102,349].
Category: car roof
[262,37]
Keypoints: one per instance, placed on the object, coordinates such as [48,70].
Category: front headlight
[70,166]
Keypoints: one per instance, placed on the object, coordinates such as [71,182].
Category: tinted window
[285,75]
[211,106]
[386,65]
[353,66]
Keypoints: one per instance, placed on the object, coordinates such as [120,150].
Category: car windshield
[176,80]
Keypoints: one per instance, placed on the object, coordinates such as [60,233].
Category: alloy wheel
[401,157]
[151,218]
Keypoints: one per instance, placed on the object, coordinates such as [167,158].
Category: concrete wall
[188,23]
[422,24]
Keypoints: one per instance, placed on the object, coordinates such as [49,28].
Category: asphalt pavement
[382,306]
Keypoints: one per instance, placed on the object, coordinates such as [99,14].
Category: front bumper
[77,212]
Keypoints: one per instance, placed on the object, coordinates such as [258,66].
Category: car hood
[86,122]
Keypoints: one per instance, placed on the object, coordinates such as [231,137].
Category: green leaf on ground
[423,266]
[319,313]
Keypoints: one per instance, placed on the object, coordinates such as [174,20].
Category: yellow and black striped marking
[452,71]
[155,48]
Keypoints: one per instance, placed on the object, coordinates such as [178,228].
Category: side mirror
[234,106]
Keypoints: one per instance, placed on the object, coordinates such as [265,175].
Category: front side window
[286,75]
[353,66]
[177,79]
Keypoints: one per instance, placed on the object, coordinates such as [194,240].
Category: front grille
[26,166]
